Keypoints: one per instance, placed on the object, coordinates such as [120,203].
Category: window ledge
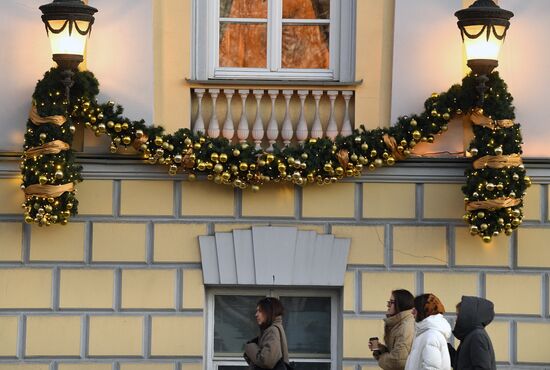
[231,82]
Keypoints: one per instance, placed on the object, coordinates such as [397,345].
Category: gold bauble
[165,145]
[125,126]
[218,179]
[270,158]
[255,188]
[118,127]
[87,124]
[390,161]
[515,176]
[126,140]
[209,165]
[444,128]
[434,113]
[516,212]
[416,135]
[226,175]
[373,153]
[378,162]
[152,160]
[500,186]
[72,129]
[527,180]
[197,146]
[173,168]
[252,166]
[483,227]
[223,157]
[43,136]
[372,167]
[480,214]
[498,150]
[218,168]
[202,139]
[110,124]
[28,219]
[210,177]
[413,122]
[93,119]
[261,163]
[500,221]
[139,133]
[187,141]
[158,141]
[101,127]
[51,200]
[490,186]
[339,171]
[364,146]
[327,167]
[64,222]
[243,166]
[201,166]
[350,173]
[214,157]
[42,180]
[58,174]
[236,152]
[48,208]
[162,160]
[117,140]
[281,167]
[192,177]
[486,238]
[178,158]
[113,149]
[446,116]
[290,161]
[69,205]
[459,111]
[508,232]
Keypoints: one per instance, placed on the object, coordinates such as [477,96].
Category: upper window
[274,39]
[310,324]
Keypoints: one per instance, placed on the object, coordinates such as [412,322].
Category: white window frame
[212,363]
[341,42]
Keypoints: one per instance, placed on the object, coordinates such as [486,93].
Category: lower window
[310,323]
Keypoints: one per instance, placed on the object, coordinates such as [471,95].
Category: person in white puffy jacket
[429,349]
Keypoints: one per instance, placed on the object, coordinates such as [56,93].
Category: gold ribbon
[478,118]
[391,143]
[38,120]
[53,147]
[139,141]
[343,157]
[48,191]
[498,161]
[492,204]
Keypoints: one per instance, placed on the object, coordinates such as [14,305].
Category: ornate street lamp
[68,25]
[483,28]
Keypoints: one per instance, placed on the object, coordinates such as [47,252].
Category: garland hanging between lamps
[494,187]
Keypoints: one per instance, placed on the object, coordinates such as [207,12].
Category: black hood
[474,313]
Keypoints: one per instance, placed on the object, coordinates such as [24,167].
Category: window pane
[311,366]
[306,9]
[243,8]
[307,325]
[305,46]
[243,45]
[234,323]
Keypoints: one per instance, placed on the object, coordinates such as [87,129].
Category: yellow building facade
[121,287]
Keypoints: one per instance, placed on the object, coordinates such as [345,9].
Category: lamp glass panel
[480,47]
[63,43]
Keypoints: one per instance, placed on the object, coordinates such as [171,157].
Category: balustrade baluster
[242,130]
[317,129]
[199,121]
[258,127]
[332,128]
[301,130]
[346,125]
[214,125]
[228,127]
[287,131]
[272,127]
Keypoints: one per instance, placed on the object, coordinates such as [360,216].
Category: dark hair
[427,305]
[404,300]
[272,308]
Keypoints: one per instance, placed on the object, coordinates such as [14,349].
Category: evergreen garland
[240,165]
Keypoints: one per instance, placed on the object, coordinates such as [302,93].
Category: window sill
[294,83]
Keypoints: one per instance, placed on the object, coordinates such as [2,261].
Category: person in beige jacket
[269,350]
[398,332]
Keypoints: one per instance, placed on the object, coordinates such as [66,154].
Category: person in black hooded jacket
[475,351]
